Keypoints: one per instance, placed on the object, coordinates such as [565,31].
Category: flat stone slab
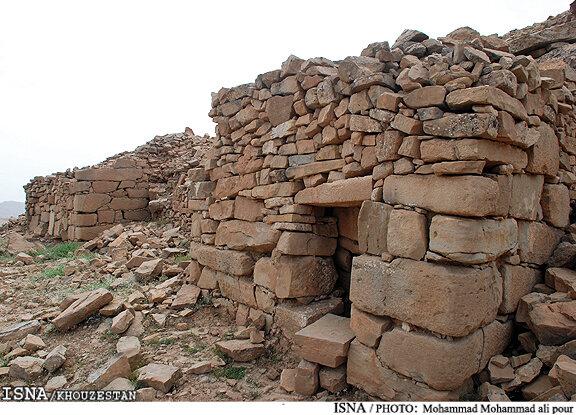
[158,376]
[116,367]
[348,192]
[326,341]
[241,350]
[82,308]
[19,330]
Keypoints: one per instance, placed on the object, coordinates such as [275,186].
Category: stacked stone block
[79,205]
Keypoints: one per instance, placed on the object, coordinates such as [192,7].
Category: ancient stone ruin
[81,204]
[388,211]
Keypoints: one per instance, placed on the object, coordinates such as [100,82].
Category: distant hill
[11,209]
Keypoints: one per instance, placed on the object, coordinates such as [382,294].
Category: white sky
[80,81]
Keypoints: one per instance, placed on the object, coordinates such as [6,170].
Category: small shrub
[166,341]
[6,257]
[230,372]
[57,271]
[58,251]
[193,349]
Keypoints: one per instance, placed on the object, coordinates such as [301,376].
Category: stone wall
[426,183]
[418,189]
[79,204]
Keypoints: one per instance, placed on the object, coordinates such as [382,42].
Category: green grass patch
[88,256]
[6,257]
[230,372]
[182,258]
[57,271]
[165,341]
[105,283]
[58,251]
[3,361]
[192,350]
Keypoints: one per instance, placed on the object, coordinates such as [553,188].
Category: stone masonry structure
[387,211]
[80,204]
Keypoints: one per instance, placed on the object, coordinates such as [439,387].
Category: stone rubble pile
[553,38]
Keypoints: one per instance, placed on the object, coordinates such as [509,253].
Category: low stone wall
[80,204]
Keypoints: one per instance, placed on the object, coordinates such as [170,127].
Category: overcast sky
[80,81]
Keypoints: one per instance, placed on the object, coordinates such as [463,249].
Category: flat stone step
[325,341]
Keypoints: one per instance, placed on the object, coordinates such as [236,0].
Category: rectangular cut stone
[86,219]
[90,202]
[368,328]
[251,236]
[221,210]
[347,222]
[230,262]
[536,241]
[458,167]
[450,300]
[348,192]
[304,276]
[109,174]
[486,95]
[314,168]
[428,96]
[373,227]
[277,190]
[407,234]
[555,204]
[492,152]
[526,192]
[517,281]
[237,289]
[231,186]
[463,126]
[441,363]
[458,195]
[544,156]
[87,233]
[326,341]
[248,209]
[364,370]
[444,364]
[293,317]
[472,241]
[300,243]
